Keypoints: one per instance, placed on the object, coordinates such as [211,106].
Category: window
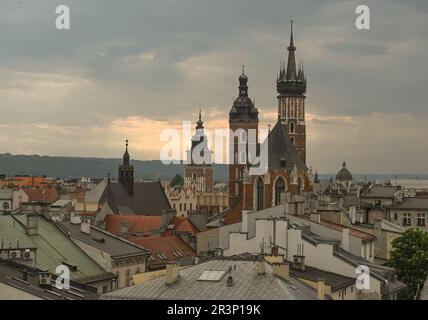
[185,205]
[6,205]
[279,189]
[407,220]
[291,107]
[181,206]
[292,127]
[292,140]
[191,206]
[421,219]
[173,205]
[260,193]
[236,189]
[395,216]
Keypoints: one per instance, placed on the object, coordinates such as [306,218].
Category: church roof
[281,150]
[149,198]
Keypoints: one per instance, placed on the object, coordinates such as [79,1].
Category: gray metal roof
[6,194]
[104,241]
[412,203]
[248,285]
[381,192]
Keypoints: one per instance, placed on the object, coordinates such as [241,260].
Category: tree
[410,258]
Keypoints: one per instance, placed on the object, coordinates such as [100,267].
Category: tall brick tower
[291,87]
[242,116]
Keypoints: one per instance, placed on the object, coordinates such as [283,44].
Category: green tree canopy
[410,258]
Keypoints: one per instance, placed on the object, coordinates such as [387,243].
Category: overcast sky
[128,69]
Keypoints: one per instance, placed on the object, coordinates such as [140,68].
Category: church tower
[126,173]
[291,87]
[199,173]
[242,116]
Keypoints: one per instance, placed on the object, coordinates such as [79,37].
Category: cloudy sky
[128,69]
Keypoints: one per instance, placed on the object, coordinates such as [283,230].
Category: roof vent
[229,281]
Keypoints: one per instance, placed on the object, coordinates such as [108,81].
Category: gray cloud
[162,59]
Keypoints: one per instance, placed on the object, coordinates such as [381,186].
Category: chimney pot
[172,273]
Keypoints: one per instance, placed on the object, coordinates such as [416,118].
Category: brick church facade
[286,177]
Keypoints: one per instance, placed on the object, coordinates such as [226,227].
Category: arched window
[291,107]
[279,189]
[260,193]
[292,127]
[292,140]
[194,175]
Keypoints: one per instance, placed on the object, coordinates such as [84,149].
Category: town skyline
[83,93]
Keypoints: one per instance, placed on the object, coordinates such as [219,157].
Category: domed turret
[344,175]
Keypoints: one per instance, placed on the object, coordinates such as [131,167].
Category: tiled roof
[41,194]
[138,224]
[172,247]
[25,181]
[149,198]
[54,248]
[104,241]
[247,285]
[182,224]
[282,149]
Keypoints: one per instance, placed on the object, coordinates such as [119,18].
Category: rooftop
[137,224]
[104,241]
[247,285]
[381,192]
[54,248]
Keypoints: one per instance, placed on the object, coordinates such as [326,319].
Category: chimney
[172,273]
[32,227]
[299,258]
[321,288]
[261,267]
[85,225]
[345,239]
[282,271]
[125,227]
[274,250]
[75,219]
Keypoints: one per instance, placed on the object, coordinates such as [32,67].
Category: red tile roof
[165,248]
[24,181]
[138,224]
[182,224]
[41,194]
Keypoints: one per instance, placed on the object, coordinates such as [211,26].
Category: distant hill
[75,167]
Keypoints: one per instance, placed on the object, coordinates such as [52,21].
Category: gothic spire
[291,63]
[126,154]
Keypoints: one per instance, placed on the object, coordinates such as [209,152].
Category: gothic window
[194,175]
[291,107]
[259,193]
[279,189]
[292,127]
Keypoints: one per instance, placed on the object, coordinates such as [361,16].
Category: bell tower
[291,88]
[126,173]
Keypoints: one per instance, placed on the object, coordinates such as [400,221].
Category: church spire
[291,63]
[126,154]
[200,123]
[243,80]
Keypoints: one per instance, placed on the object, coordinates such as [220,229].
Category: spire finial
[243,69]
[127,144]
